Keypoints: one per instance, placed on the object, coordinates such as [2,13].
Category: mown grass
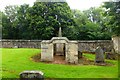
[15,61]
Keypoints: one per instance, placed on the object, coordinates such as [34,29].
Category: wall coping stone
[5,40]
[59,38]
[94,41]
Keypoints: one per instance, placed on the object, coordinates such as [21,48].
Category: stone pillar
[46,51]
[72,54]
[116,43]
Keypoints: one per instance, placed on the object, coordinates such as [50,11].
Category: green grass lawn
[15,61]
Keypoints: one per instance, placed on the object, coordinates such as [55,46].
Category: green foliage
[1,13]
[113,12]
[50,18]
[9,22]
[90,25]
[43,19]
[23,22]
[15,61]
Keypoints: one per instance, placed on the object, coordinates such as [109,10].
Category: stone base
[100,64]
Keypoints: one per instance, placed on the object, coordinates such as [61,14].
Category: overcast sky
[74,4]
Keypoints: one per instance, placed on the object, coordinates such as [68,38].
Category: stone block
[31,75]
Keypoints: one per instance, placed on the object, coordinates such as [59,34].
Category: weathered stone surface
[110,55]
[90,45]
[15,47]
[83,46]
[99,55]
[73,52]
[46,51]
[21,43]
[116,42]
[70,47]
[59,49]
[31,75]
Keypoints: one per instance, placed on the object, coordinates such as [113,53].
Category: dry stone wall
[90,46]
[83,46]
[21,43]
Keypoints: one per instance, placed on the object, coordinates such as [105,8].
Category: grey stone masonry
[116,42]
[33,75]
[71,49]
[21,43]
[83,46]
[99,55]
[91,45]
[46,51]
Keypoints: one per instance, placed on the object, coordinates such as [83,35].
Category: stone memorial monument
[59,46]
[99,55]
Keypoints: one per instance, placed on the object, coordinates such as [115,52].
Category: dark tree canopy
[43,19]
[47,17]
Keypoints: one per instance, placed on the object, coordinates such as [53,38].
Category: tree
[1,13]
[47,17]
[9,22]
[23,22]
[80,31]
[113,11]
[41,21]
[90,24]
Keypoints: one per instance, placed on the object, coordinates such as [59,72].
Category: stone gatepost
[46,51]
[116,43]
[72,54]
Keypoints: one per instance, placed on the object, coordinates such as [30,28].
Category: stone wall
[91,45]
[21,43]
[84,46]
